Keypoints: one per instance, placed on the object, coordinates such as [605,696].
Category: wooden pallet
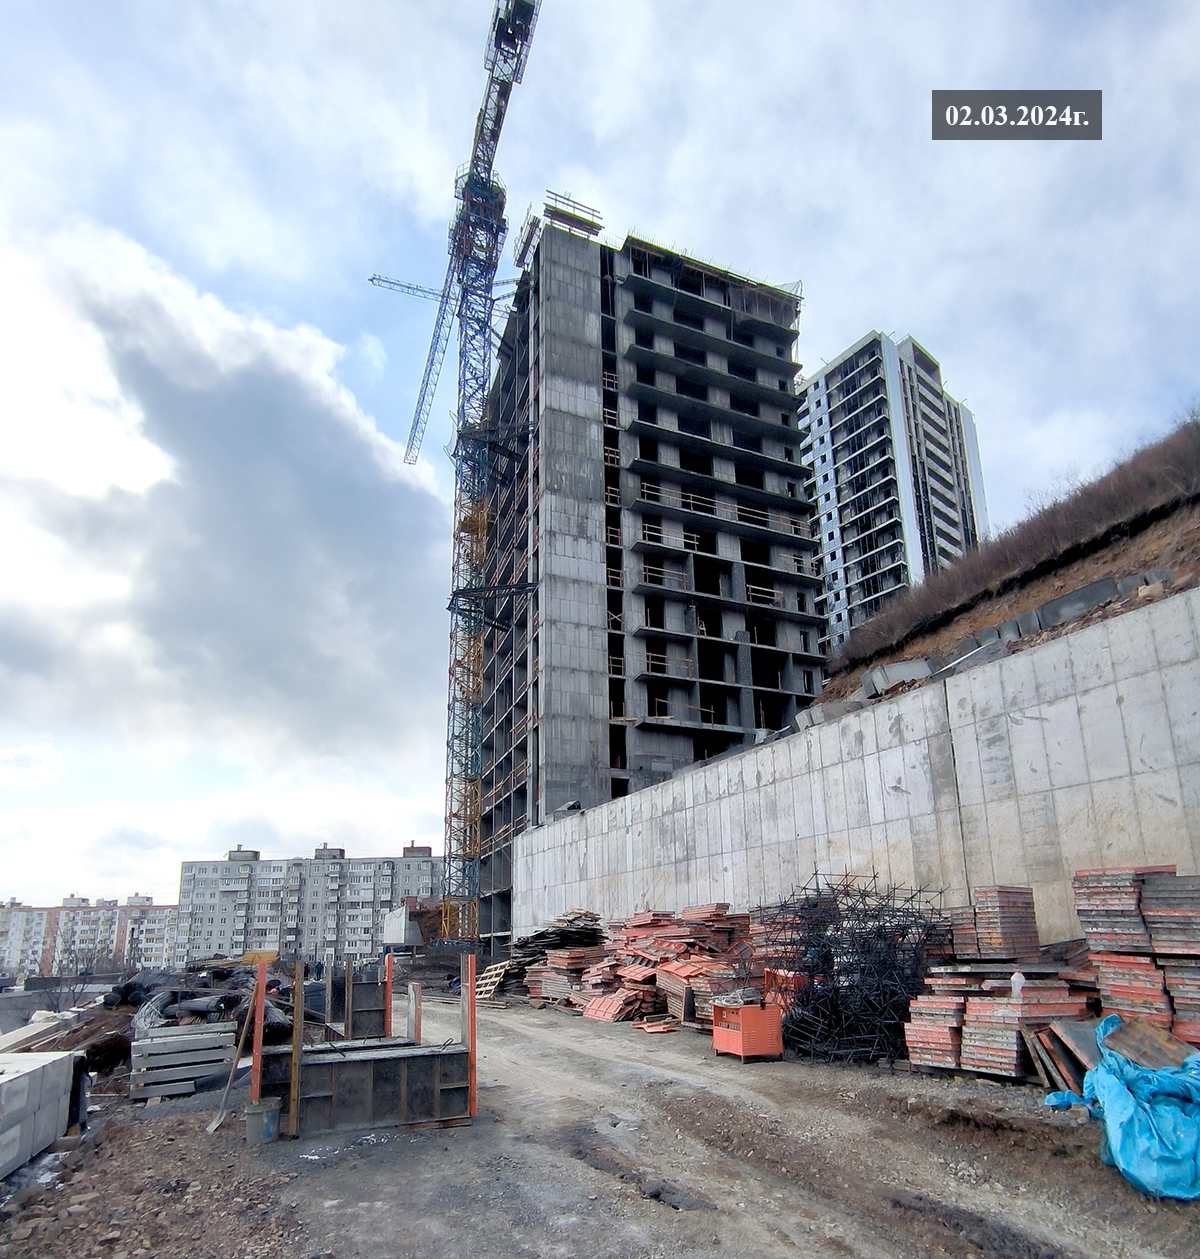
[167,1061]
[489,981]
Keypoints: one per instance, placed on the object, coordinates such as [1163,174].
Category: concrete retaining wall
[1081,752]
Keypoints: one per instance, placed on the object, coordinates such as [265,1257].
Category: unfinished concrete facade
[1078,753]
[649,489]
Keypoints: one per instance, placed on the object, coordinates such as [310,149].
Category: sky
[223,613]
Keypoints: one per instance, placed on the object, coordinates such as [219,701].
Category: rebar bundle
[843,955]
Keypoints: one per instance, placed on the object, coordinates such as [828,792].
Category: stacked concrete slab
[1077,753]
[35,1099]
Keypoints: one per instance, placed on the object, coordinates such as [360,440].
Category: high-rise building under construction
[652,521]
[897,477]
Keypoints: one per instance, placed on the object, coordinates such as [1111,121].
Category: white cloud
[244,581]
[36,765]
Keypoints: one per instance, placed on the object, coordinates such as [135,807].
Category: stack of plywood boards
[167,1061]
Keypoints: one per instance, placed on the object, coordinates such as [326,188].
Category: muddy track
[869,1165]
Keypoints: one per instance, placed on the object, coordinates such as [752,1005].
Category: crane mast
[475,240]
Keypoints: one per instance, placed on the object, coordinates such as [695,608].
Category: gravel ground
[596,1139]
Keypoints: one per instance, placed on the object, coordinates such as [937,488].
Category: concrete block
[1127,586]
[885,676]
[985,653]
[1165,575]
[1147,723]
[989,634]
[1171,627]
[35,1094]
[1103,734]
[1029,623]
[16,1145]
[962,647]
[1071,606]
[1008,631]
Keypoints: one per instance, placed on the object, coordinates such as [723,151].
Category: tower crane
[475,240]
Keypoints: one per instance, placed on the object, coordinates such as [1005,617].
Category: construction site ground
[599,1140]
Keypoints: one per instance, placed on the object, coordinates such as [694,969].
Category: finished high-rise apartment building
[650,505]
[896,473]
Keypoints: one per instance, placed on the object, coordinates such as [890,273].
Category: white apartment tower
[898,481]
[305,907]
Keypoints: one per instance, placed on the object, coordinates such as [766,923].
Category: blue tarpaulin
[1151,1118]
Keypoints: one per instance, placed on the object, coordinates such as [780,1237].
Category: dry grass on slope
[1143,489]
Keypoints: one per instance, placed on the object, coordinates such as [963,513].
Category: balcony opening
[688,320]
[693,461]
[690,281]
[708,578]
[713,663]
[617,757]
[694,427]
[762,632]
[658,699]
[756,552]
[616,697]
[747,441]
[752,478]
[656,612]
[645,375]
[714,707]
[648,449]
[742,371]
[743,405]
[619,788]
[647,412]
[643,302]
[643,338]
[689,389]
[766,669]
[701,541]
[770,712]
[689,354]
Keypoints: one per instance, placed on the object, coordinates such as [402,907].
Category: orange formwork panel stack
[749,1031]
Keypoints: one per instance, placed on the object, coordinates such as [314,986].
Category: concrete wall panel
[1080,752]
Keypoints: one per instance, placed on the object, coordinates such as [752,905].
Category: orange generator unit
[749,1031]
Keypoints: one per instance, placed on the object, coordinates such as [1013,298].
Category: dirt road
[598,1140]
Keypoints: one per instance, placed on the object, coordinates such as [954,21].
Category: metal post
[468,1009]
[297,1047]
[388,961]
[414,1013]
[260,1014]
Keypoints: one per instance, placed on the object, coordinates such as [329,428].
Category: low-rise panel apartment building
[85,934]
[305,907]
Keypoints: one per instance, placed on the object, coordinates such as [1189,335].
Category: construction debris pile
[576,929]
[843,956]
[655,963]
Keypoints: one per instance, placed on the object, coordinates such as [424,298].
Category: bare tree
[73,965]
